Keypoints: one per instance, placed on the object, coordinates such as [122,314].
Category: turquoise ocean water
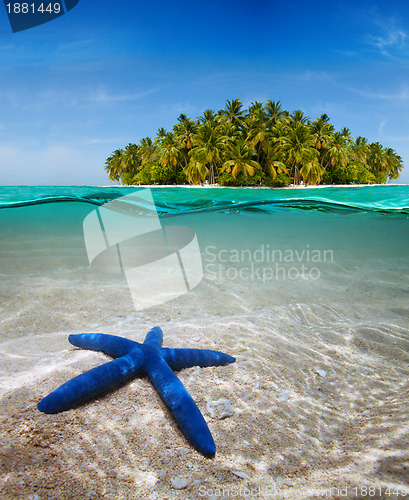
[334,245]
[298,245]
[388,198]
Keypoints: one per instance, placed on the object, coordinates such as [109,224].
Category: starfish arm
[186,358]
[92,383]
[111,345]
[154,337]
[180,403]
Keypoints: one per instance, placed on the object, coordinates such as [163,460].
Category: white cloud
[103,96]
[389,36]
[178,108]
[310,75]
[398,138]
[76,45]
[322,107]
[381,126]
[107,140]
[400,95]
[49,98]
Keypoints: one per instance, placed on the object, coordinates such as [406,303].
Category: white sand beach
[319,401]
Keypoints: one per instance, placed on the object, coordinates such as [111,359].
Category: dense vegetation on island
[263,145]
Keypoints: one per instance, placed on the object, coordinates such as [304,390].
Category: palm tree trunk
[212,173]
[295,170]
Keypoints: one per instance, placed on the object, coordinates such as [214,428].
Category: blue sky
[108,73]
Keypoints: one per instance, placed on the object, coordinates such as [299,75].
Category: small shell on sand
[285,395]
[240,474]
[178,483]
[219,409]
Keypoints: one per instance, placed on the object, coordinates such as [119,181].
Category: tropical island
[263,145]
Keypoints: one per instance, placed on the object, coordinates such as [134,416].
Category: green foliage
[155,173]
[346,174]
[128,178]
[227,179]
[262,145]
[181,177]
[356,173]
[281,180]
[364,176]
[379,177]
[144,176]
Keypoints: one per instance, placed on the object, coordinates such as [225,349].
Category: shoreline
[204,186]
[217,186]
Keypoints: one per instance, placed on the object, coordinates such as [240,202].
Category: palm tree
[377,159]
[196,171]
[360,149]
[271,165]
[274,113]
[160,135]
[257,135]
[298,117]
[233,112]
[337,152]
[255,108]
[207,117]
[312,172]
[185,130]
[170,154]
[394,162]
[131,159]
[298,149]
[273,160]
[113,165]
[240,161]
[208,148]
[322,130]
[147,151]
[346,134]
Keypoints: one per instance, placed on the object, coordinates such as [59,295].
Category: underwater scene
[308,288]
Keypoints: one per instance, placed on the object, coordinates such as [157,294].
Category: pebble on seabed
[240,474]
[178,483]
[285,395]
[219,409]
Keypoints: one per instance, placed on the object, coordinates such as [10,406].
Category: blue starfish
[132,359]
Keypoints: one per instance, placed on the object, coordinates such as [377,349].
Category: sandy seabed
[319,394]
